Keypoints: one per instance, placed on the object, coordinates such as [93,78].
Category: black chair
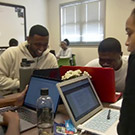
[73,61]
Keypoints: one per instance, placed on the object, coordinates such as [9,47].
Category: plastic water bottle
[45,113]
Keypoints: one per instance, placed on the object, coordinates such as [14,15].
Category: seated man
[11,119]
[110,55]
[35,49]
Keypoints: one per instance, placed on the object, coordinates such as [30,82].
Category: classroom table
[60,117]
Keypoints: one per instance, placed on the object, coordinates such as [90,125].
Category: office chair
[73,61]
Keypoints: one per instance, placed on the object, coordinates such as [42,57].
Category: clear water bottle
[45,113]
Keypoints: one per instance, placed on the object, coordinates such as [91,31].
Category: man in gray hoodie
[35,49]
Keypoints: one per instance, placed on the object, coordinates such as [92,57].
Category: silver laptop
[27,112]
[85,109]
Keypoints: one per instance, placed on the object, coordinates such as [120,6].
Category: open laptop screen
[36,83]
[80,98]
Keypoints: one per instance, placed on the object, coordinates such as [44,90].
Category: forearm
[14,99]
[7,101]
[13,129]
[13,123]
[58,54]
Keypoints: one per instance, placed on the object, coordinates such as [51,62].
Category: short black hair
[13,42]
[67,41]
[38,30]
[133,14]
[109,45]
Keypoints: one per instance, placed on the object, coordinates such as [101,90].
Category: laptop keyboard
[7,108]
[101,123]
[28,115]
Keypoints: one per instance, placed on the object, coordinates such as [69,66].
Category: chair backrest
[64,62]
[73,60]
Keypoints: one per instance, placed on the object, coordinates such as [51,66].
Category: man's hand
[11,118]
[14,99]
[20,97]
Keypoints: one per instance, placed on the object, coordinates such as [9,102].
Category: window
[83,22]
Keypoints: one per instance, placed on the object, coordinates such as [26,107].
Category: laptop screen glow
[36,83]
[80,98]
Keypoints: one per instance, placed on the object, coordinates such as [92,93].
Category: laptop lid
[33,93]
[80,99]
[52,73]
[103,80]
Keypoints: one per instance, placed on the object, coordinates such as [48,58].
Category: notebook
[28,111]
[85,108]
[117,104]
[103,80]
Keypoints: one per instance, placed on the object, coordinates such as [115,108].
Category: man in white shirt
[110,55]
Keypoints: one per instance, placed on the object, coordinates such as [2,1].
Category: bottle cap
[25,63]
[24,59]
[44,91]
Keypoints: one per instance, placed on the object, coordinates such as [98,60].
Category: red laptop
[103,80]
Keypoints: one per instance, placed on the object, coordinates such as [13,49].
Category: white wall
[36,11]
[117,12]
[46,12]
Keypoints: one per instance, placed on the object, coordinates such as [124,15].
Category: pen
[108,115]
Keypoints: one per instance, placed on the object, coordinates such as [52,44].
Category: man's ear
[121,53]
[28,39]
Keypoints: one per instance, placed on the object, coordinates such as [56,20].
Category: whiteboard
[12,23]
